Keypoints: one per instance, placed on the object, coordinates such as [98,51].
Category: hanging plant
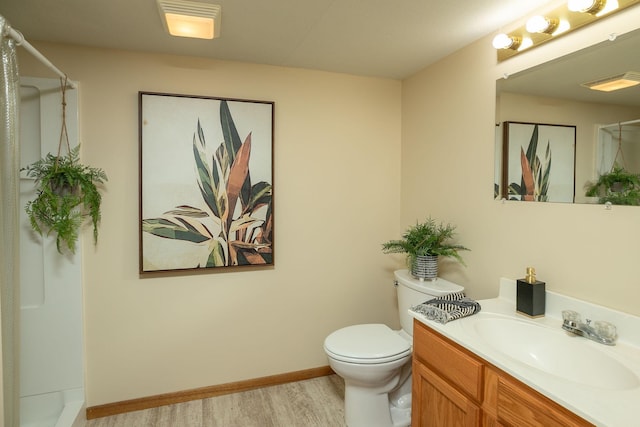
[619,187]
[66,192]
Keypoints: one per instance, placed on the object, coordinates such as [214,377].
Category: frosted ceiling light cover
[183,18]
[189,26]
[609,84]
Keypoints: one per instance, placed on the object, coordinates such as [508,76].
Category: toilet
[375,361]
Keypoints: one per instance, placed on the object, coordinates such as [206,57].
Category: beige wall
[447,171]
[337,175]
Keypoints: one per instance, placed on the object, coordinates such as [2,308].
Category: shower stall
[619,144]
[51,369]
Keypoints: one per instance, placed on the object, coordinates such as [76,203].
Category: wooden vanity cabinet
[454,387]
[436,403]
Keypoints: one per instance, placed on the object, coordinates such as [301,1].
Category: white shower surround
[51,331]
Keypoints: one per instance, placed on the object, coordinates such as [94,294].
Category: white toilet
[375,361]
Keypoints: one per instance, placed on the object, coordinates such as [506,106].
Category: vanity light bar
[553,23]
[609,84]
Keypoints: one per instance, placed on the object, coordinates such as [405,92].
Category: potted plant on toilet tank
[424,243]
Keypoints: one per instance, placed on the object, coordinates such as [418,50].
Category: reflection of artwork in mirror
[539,162]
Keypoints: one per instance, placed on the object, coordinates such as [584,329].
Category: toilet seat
[367,344]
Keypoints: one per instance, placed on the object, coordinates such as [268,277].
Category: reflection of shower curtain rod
[630,122]
[21,41]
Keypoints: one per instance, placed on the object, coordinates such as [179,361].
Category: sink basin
[554,352]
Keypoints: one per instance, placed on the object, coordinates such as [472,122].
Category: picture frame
[538,162]
[205,183]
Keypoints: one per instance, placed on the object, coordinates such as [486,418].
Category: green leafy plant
[534,183]
[66,195]
[619,187]
[241,236]
[426,238]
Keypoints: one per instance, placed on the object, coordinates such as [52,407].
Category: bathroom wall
[337,175]
[448,121]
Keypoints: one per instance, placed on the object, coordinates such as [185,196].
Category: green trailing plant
[66,191]
[426,238]
[534,182]
[66,196]
[618,187]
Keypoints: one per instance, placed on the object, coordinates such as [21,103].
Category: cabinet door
[450,361]
[518,405]
[490,421]
[437,404]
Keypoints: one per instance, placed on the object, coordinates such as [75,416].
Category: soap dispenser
[530,295]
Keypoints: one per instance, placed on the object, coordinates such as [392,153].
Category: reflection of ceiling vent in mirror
[621,81]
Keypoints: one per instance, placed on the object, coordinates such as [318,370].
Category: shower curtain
[9,227]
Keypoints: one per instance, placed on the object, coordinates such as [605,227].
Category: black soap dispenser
[530,296]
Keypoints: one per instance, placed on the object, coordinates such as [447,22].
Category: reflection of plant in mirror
[534,183]
[619,187]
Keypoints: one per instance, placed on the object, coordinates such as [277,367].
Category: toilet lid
[371,343]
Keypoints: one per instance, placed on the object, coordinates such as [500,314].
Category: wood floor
[318,402]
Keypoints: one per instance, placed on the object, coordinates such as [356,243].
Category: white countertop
[600,405]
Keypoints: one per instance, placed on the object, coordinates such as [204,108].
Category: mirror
[550,96]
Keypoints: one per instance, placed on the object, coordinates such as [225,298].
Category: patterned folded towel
[448,307]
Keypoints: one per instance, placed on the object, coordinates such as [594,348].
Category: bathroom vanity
[500,368]
[452,386]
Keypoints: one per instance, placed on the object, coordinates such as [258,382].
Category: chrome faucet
[601,331]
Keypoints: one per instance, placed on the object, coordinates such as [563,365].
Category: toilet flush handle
[395,283]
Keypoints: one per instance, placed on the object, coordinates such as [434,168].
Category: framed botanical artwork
[538,162]
[206,182]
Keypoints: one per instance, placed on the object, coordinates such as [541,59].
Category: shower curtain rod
[21,41]
[630,122]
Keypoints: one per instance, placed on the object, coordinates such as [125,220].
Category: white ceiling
[382,38]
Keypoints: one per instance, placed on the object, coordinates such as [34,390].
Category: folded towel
[448,307]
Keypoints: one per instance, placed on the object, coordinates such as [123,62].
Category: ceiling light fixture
[184,18]
[542,24]
[609,84]
[505,41]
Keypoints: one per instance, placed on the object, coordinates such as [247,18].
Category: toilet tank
[412,291]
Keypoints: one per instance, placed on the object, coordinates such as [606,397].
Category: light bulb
[501,41]
[504,41]
[586,6]
[541,24]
